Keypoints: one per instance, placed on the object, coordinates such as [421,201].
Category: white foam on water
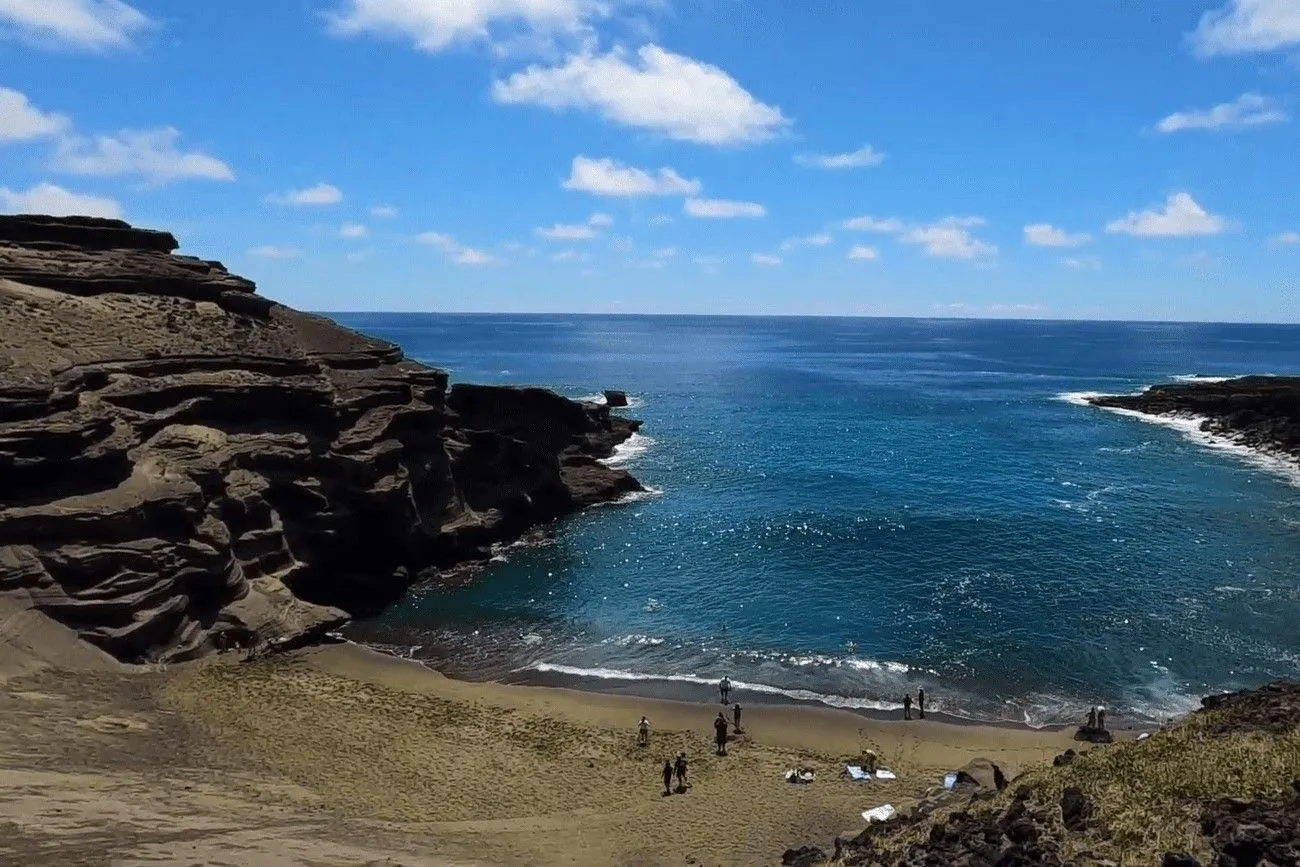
[633,401]
[840,701]
[1196,377]
[628,451]
[1275,462]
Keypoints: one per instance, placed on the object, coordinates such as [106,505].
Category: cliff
[1262,412]
[183,459]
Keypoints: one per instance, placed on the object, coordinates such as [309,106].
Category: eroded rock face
[181,457]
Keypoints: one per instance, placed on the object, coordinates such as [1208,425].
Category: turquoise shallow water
[852,508]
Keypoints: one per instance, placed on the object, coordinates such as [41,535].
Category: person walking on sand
[735,714]
[724,690]
[680,769]
[907,706]
[643,733]
[920,702]
[668,778]
[720,733]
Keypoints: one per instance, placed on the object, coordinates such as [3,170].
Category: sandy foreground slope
[343,756]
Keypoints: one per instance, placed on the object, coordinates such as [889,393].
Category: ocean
[844,510]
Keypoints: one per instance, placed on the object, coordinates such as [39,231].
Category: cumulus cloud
[22,121]
[273,252]
[566,232]
[383,212]
[353,230]
[1248,26]
[570,256]
[863,253]
[723,209]
[864,157]
[605,177]
[1181,217]
[320,195]
[150,154]
[1247,110]
[1047,235]
[435,25]
[94,25]
[661,220]
[677,96]
[57,202]
[819,240]
[665,253]
[454,250]
[766,259]
[948,238]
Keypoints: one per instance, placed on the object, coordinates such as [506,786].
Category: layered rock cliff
[1262,412]
[182,458]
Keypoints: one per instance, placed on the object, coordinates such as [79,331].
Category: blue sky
[1012,158]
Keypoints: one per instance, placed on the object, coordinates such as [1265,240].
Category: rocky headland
[1261,412]
[184,462]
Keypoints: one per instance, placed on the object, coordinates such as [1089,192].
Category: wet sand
[341,755]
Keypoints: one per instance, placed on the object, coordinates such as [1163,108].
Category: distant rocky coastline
[1260,412]
[187,463]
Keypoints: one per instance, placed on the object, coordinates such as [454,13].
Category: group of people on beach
[678,769]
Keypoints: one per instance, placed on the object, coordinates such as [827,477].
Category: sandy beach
[341,755]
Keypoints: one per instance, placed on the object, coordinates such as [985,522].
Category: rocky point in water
[185,461]
[1262,412]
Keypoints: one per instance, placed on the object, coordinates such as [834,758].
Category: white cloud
[22,121]
[321,194]
[677,96]
[622,245]
[57,202]
[570,256]
[151,154]
[1047,235]
[1181,217]
[819,240]
[437,239]
[434,25]
[459,254]
[864,157]
[1082,263]
[383,212]
[353,230]
[723,209]
[605,177]
[665,253]
[888,225]
[707,261]
[272,252]
[1247,110]
[470,256]
[1286,239]
[863,252]
[89,24]
[563,232]
[1245,26]
[765,259]
[661,220]
[600,220]
[948,238]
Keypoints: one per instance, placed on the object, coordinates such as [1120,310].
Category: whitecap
[628,451]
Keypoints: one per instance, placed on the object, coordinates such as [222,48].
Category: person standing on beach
[735,713]
[1101,718]
[720,733]
[907,706]
[668,777]
[680,769]
[724,690]
[643,733]
[920,702]
[1092,718]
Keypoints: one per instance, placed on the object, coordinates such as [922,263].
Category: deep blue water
[853,508]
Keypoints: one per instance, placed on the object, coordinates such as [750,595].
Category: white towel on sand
[879,814]
[857,773]
[883,774]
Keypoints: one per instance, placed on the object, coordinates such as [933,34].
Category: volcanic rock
[181,458]
[616,398]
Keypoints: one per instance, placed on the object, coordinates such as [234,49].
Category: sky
[1006,159]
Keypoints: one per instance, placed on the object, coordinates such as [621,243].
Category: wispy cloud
[1285,239]
[436,25]
[353,230]
[454,250]
[566,232]
[321,195]
[765,259]
[91,25]
[863,253]
[1247,110]
[150,154]
[271,251]
[1047,235]
[668,93]
[383,212]
[864,157]
[947,238]
[723,209]
[1181,217]
[1082,263]
[606,177]
[821,239]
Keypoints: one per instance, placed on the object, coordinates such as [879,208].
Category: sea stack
[187,463]
[615,398]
